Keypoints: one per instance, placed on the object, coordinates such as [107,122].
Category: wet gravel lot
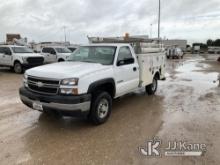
[186,107]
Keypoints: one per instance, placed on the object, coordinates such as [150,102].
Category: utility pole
[151,30]
[64,29]
[159,22]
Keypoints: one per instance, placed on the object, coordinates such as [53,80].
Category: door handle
[135,69]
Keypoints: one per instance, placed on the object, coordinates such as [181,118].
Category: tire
[152,88]
[101,108]
[18,68]
[60,60]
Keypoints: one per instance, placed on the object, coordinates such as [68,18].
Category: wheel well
[103,85]
[157,75]
[16,61]
[61,59]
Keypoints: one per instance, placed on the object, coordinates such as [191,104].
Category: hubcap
[17,68]
[103,108]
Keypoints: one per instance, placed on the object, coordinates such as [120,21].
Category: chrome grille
[43,85]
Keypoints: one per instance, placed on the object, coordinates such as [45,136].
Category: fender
[98,83]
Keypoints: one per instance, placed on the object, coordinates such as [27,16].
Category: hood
[64,70]
[29,55]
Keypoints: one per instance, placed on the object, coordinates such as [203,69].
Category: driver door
[127,75]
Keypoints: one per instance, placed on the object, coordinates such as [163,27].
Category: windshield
[63,50]
[94,54]
[22,50]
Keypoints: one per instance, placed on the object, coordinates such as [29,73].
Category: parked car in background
[19,58]
[93,76]
[174,53]
[55,54]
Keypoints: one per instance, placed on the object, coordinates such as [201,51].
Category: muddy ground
[186,107]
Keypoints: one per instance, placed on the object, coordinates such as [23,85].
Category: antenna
[159,22]
[64,30]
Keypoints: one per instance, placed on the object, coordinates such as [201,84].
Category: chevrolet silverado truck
[55,54]
[93,76]
[19,58]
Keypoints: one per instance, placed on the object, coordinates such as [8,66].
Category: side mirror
[125,61]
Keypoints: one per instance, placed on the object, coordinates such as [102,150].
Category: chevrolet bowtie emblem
[40,84]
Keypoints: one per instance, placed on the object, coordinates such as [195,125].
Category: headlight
[25,59]
[25,80]
[70,82]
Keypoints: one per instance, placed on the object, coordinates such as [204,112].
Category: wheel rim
[17,68]
[154,85]
[103,108]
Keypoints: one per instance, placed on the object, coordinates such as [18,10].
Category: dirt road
[186,107]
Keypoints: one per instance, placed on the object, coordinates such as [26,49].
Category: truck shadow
[134,118]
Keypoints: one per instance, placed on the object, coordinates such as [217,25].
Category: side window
[124,54]
[52,51]
[2,50]
[45,50]
[7,51]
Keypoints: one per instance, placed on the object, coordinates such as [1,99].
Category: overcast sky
[42,20]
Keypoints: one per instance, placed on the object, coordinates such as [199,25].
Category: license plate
[37,106]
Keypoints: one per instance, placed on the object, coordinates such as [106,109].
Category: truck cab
[93,76]
[19,57]
[55,54]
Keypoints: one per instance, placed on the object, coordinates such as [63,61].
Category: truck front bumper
[67,105]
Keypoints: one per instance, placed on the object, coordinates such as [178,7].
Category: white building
[175,42]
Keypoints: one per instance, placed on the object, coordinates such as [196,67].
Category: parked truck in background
[19,58]
[55,53]
[92,77]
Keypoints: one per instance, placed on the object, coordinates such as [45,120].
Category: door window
[124,54]
[5,50]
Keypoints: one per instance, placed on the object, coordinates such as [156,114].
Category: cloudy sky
[43,20]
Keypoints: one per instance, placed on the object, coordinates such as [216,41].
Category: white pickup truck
[55,54]
[19,57]
[94,75]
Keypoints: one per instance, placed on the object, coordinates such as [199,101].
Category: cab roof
[107,44]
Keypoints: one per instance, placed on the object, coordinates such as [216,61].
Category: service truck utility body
[96,74]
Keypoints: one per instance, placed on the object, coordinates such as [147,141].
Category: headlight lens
[70,82]
[25,59]
[25,79]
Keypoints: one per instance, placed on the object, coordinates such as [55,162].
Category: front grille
[35,60]
[42,85]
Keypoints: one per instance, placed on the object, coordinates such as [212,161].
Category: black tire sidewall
[149,88]
[94,117]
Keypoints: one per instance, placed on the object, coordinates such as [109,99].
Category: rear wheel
[18,68]
[152,88]
[101,108]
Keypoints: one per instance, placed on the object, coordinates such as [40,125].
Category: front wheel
[101,108]
[18,68]
[152,88]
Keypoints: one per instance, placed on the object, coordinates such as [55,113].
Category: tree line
[209,42]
